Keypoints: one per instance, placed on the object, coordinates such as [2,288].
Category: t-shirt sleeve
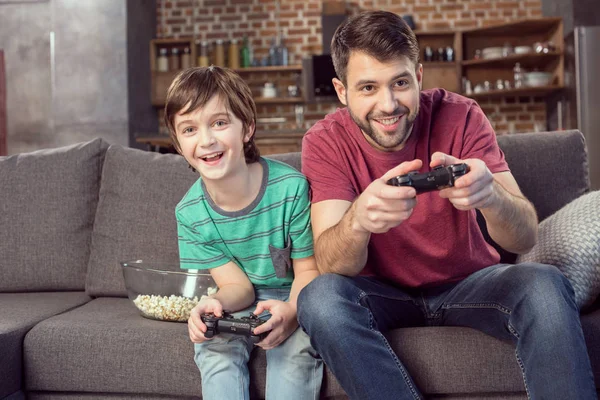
[480,141]
[324,169]
[194,251]
[300,227]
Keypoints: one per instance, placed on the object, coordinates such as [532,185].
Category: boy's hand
[196,327]
[282,324]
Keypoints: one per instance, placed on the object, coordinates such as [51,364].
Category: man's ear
[419,72]
[340,89]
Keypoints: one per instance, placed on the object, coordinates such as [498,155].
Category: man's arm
[342,229]
[511,219]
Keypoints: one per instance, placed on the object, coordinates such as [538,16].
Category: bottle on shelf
[186,58]
[162,61]
[219,54]
[234,54]
[273,59]
[518,76]
[246,53]
[202,48]
[174,60]
[282,51]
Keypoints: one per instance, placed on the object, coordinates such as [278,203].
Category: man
[392,258]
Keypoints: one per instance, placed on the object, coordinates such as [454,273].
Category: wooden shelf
[528,60]
[276,100]
[523,27]
[526,91]
[440,64]
[278,68]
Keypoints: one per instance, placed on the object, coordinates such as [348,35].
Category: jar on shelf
[219,54]
[162,61]
[234,54]
[202,48]
[519,76]
[269,91]
[186,58]
[174,64]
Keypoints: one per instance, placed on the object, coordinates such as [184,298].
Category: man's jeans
[294,370]
[530,305]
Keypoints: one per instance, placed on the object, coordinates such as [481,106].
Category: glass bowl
[163,291]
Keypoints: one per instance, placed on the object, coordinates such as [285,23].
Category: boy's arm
[236,292]
[305,270]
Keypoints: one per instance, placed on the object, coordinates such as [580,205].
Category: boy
[247,220]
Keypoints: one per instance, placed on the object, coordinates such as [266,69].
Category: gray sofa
[67,330]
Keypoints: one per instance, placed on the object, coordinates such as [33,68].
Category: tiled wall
[300,22]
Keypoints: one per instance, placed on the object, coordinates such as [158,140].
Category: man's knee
[320,298]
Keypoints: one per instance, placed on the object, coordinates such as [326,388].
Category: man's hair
[380,34]
[194,87]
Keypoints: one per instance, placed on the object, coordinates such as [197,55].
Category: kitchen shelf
[278,100]
[526,91]
[528,60]
[442,64]
[277,68]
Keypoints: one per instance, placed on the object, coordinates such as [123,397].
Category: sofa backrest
[136,214]
[48,201]
[139,191]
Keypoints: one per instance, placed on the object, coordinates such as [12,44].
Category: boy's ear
[249,132]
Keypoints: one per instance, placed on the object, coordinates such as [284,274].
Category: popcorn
[166,308]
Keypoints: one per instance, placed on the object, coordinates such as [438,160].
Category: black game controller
[438,178]
[228,324]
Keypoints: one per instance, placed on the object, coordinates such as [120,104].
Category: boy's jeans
[294,370]
[530,305]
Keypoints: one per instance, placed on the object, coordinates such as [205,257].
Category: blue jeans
[530,305]
[294,370]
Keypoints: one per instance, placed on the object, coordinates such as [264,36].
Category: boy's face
[211,139]
[382,98]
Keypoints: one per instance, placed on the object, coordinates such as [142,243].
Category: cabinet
[523,34]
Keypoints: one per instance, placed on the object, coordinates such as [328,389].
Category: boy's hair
[194,87]
[380,34]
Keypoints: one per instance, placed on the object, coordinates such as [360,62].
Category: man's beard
[384,140]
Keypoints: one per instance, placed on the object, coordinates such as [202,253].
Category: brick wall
[300,22]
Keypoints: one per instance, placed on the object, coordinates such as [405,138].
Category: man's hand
[282,324]
[196,327]
[475,189]
[382,207]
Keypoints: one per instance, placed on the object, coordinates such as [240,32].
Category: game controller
[228,324]
[438,178]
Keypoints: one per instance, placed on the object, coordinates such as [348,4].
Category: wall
[69,87]
[300,21]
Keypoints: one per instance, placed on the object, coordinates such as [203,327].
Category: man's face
[382,98]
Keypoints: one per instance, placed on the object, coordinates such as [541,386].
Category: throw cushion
[136,214]
[47,206]
[570,240]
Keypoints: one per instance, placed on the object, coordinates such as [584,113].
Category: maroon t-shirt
[437,243]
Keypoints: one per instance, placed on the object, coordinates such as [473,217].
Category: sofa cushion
[18,313]
[136,214]
[138,355]
[570,240]
[47,206]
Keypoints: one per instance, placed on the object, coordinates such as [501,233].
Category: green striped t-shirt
[256,237]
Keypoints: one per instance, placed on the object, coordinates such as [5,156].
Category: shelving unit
[445,74]
[520,33]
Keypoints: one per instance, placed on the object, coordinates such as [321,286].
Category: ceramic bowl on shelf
[492,52]
[523,49]
[536,79]
[163,291]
